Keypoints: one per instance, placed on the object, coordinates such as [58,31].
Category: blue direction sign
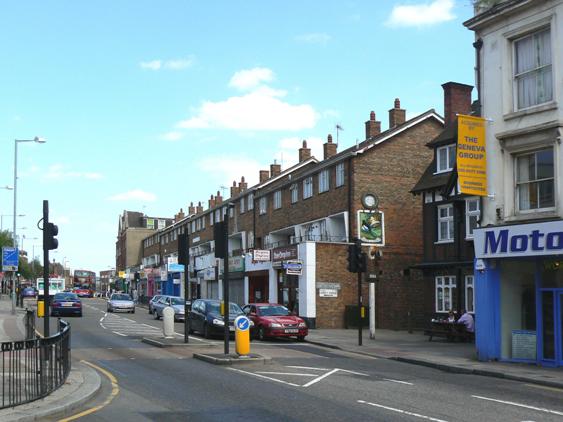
[10,258]
[242,323]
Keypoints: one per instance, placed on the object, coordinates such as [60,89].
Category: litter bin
[351,317]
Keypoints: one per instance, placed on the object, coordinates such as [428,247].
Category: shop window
[472,216]
[535,180]
[533,79]
[340,175]
[469,294]
[445,287]
[445,158]
[446,223]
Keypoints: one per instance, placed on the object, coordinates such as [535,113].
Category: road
[303,383]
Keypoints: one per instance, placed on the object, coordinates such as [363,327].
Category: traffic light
[49,240]
[352,259]
[361,262]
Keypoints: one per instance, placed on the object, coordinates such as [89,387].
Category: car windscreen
[213,307]
[65,296]
[273,311]
[177,301]
[121,297]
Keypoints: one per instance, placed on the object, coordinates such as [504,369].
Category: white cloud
[251,78]
[224,169]
[58,172]
[135,194]
[172,136]
[173,64]
[261,109]
[313,38]
[425,14]
[60,219]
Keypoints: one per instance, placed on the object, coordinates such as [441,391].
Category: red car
[274,320]
[83,292]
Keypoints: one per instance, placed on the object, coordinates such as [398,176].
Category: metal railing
[32,369]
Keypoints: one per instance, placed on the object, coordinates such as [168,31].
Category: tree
[6,238]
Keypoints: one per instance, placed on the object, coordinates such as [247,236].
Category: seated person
[467,320]
[451,316]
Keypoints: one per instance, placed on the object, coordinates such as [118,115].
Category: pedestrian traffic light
[352,259]
[360,257]
[49,240]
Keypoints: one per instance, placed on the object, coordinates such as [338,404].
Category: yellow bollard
[40,308]
[242,335]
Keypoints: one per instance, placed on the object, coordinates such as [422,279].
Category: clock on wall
[370,201]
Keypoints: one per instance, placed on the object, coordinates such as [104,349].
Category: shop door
[560,329]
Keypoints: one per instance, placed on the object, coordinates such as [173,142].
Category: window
[263,205]
[250,202]
[427,197]
[445,286]
[533,79]
[211,218]
[150,223]
[472,214]
[324,181]
[534,180]
[193,226]
[446,223]
[307,187]
[277,199]
[294,193]
[231,212]
[445,158]
[202,223]
[469,294]
[241,205]
[250,239]
[161,224]
[340,174]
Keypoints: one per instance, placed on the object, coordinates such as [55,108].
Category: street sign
[10,257]
[242,323]
[293,267]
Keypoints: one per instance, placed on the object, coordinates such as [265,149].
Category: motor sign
[242,323]
[10,259]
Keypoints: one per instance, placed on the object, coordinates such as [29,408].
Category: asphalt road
[303,383]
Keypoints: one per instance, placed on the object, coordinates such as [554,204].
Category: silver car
[121,302]
[176,302]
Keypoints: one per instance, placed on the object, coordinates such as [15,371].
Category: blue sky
[148,105]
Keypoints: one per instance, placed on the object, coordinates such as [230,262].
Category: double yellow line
[114,393]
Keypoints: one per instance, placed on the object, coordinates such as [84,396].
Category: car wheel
[261,333]
[133,311]
[206,332]
[150,311]
[300,338]
[80,314]
[156,314]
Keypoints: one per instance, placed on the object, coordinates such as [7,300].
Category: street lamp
[7,215]
[16,142]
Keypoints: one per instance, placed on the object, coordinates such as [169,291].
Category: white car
[121,302]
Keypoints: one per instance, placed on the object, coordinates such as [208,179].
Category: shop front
[519,293]
[288,269]
[236,280]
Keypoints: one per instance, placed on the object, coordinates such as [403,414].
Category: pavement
[414,348]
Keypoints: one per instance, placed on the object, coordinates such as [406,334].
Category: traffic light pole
[360,307]
[45,270]
[226,308]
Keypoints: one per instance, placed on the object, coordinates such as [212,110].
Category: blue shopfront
[173,280]
[519,293]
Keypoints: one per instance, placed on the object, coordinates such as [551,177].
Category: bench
[450,331]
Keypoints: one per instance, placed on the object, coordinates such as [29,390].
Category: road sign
[10,258]
[242,323]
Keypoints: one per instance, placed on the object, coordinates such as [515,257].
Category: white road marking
[119,334]
[511,403]
[101,319]
[130,320]
[320,378]
[102,325]
[404,412]
[263,376]
[286,373]
[398,382]
[308,367]
[352,372]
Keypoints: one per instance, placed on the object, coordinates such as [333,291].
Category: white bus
[56,285]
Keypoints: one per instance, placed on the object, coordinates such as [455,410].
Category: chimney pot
[373,127]
[397,115]
[275,169]
[329,149]
[304,152]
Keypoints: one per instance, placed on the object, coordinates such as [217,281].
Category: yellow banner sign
[471,155]
[121,274]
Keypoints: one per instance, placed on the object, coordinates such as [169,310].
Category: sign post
[242,335]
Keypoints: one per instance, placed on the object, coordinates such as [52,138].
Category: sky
[147,106]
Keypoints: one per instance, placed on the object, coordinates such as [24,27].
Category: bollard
[40,308]
[242,335]
[168,321]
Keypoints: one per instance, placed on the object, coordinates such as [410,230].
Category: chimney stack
[329,148]
[263,175]
[199,208]
[275,169]
[373,127]
[179,216]
[457,100]
[218,199]
[242,186]
[304,152]
[191,209]
[397,115]
[211,202]
[234,189]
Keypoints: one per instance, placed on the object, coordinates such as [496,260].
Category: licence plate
[291,330]
[231,328]
[67,304]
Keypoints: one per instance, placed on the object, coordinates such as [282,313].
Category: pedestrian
[467,320]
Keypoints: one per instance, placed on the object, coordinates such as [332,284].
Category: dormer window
[445,158]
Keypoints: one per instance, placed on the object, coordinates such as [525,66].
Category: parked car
[205,317]
[154,299]
[83,292]
[121,302]
[176,302]
[274,320]
[66,303]
[29,292]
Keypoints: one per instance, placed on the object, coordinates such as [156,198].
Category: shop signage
[471,157]
[524,344]
[172,260]
[121,274]
[236,264]
[284,253]
[208,273]
[175,268]
[328,293]
[293,267]
[261,255]
[325,285]
[196,239]
[519,240]
[371,226]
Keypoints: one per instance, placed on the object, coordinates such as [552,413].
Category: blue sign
[242,323]
[10,259]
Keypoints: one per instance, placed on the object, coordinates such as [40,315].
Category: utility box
[351,317]
[40,308]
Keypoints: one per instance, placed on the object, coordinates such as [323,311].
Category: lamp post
[7,215]
[16,142]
